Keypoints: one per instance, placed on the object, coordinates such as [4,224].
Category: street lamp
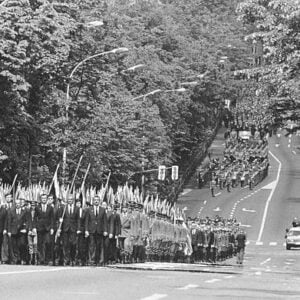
[133,68]
[94,24]
[190,83]
[179,90]
[116,50]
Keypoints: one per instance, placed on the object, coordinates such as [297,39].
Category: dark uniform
[69,231]
[3,214]
[17,229]
[82,245]
[114,230]
[96,227]
[45,217]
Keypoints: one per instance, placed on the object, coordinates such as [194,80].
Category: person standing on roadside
[240,241]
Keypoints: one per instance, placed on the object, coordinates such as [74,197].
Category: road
[269,270]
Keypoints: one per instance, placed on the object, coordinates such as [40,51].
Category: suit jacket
[114,224]
[70,221]
[8,208]
[96,224]
[3,216]
[82,213]
[45,219]
[16,222]
[32,219]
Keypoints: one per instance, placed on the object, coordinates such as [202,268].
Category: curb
[175,269]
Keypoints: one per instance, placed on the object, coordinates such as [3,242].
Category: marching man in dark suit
[82,250]
[114,231]
[3,214]
[69,229]
[96,229]
[6,253]
[17,232]
[32,225]
[45,229]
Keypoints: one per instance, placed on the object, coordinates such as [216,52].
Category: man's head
[9,198]
[70,200]
[104,205]
[44,198]
[96,200]
[109,208]
[50,199]
[23,202]
[78,203]
[18,203]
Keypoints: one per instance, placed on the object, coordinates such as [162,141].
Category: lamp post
[113,51]
[133,68]
[179,90]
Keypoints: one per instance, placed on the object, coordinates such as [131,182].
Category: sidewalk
[220,268]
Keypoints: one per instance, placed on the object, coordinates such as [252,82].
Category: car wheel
[288,247]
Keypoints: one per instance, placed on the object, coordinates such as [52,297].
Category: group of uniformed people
[215,239]
[245,160]
[52,232]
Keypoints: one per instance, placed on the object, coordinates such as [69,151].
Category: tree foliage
[275,23]
[176,41]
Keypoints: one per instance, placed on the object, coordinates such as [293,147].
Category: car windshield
[293,233]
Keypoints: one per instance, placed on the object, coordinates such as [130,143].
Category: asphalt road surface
[269,271]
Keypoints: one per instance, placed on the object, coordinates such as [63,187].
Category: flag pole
[106,186]
[49,190]
[13,187]
[83,182]
[64,211]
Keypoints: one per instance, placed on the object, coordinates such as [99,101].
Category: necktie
[69,210]
[96,211]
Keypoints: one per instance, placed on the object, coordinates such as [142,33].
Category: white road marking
[265,261]
[229,276]
[259,243]
[247,226]
[277,145]
[80,293]
[248,242]
[217,209]
[258,273]
[37,271]
[249,210]
[290,140]
[218,194]
[269,199]
[204,202]
[155,297]
[186,191]
[273,244]
[289,145]
[270,185]
[294,152]
[290,259]
[289,263]
[189,286]
[212,280]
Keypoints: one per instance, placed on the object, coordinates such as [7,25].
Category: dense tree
[176,41]
[275,25]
